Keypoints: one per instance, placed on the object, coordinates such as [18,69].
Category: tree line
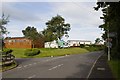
[56,29]
[111,25]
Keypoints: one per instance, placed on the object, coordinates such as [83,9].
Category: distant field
[46,52]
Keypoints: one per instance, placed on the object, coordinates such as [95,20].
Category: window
[9,40]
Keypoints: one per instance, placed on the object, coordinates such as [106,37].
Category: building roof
[15,37]
[79,41]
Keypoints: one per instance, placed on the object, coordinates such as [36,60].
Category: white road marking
[101,69]
[60,65]
[19,67]
[55,58]
[32,76]
[61,57]
[45,61]
[30,64]
[55,67]
[93,66]
[25,65]
[34,63]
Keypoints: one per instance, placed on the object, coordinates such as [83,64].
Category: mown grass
[47,52]
[61,52]
[18,53]
[115,67]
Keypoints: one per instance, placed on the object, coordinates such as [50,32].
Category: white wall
[52,44]
[85,42]
[74,43]
[77,43]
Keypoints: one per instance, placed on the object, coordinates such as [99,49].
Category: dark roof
[79,40]
[14,37]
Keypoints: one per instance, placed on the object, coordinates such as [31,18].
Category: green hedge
[31,52]
[6,51]
[82,45]
[94,48]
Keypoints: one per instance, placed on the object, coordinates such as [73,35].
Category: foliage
[111,18]
[56,28]
[94,48]
[114,53]
[32,52]
[3,22]
[82,45]
[48,35]
[7,51]
[31,33]
[98,40]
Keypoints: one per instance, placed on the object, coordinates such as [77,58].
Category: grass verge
[47,52]
[92,48]
[115,67]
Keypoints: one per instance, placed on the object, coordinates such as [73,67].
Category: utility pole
[108,36]
[108,43]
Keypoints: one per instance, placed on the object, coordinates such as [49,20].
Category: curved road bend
[71,66]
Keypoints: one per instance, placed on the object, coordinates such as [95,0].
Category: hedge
[6,51]
[31,52]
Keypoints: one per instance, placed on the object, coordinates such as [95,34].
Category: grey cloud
[19,14]
[79,13]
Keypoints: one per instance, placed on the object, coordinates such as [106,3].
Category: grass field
[46,52]
[115,66]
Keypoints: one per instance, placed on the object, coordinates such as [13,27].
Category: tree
[3,21]
[57,27]
[31,33]
[98,40]
[48,35]
[111,18]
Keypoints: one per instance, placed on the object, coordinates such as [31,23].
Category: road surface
[70,66]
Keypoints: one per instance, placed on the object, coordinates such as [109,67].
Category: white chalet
[52,44]
[69,43]
[78,42]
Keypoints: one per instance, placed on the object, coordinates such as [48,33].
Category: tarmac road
[70,66]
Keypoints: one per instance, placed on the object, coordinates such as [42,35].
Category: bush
[7,51]
[31,52]
[82,45]
[114,53]
[94,48]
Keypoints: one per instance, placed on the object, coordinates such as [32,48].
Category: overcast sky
[83,18]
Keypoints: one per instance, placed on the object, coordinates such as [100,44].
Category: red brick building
[22,42]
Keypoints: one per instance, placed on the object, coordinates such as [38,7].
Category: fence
[7,59]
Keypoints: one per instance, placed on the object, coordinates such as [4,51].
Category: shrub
[94,48]
[82,45]
[31,52]
[7,51]
[114,53]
